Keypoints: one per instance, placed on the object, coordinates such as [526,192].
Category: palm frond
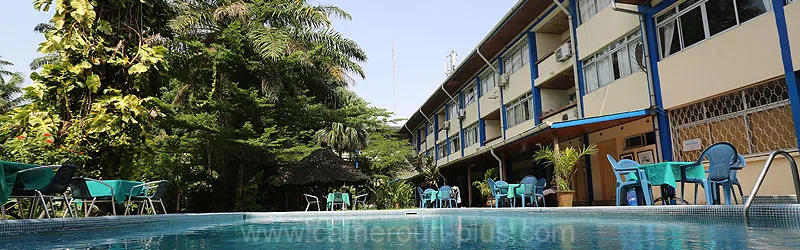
[39,62]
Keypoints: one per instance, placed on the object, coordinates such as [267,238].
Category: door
[604,180]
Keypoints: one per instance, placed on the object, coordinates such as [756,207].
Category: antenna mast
[452,62]
[394,82]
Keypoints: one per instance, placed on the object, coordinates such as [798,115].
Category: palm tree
[11,88]
[342,138]
[563,162]
[277,31]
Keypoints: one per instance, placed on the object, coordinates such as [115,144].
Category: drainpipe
[448,95]
[574,53]
[426,129]
[648,67]
[499,161]
[423,115]
[500,100]
[645,47]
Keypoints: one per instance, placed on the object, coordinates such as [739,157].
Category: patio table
[122,188]
[669,173]
[514,190]
[345,198]
[36,179]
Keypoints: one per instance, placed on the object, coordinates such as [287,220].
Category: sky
[423,32]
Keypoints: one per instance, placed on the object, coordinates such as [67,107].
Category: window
[515,59]
[488,81]
[620,59]
[589,8]
[519,110]
[693,21]
[471,135]
[455,145]
[431,128]
[452,111]
[442,148]
[756,120]
[469,95]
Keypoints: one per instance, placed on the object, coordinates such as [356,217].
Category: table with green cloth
[35,179]
[515,190]
[122,188]
[658,174]
[668,173]
[332,196]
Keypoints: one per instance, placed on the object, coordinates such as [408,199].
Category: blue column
[536,95]
[665,137]
[418,142]
[589,183]
[461,123]
[502,103]
[578,64]
[436,136]
[481,123]
[788,68]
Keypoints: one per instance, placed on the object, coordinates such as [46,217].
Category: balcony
[568,112]
[552,72]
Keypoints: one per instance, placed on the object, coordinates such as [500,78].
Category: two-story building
[645,80]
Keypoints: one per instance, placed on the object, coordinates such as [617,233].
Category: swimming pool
[771,227]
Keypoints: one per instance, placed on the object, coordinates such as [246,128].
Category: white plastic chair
[360,199]
[309,201]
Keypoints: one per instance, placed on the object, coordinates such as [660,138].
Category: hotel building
[651,81]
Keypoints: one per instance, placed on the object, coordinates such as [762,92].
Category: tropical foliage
[214,96]
[563,162]
[392,193]
[483,186]
[10,87]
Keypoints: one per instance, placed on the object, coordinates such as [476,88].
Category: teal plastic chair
[501,191]
[493,192]
[722,156]
[539,191]
[625,167]
[427,197]
[529,186]
[445,195]
[735,181]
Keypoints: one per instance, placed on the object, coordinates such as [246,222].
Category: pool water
[444,231]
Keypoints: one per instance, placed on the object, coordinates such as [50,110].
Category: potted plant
[483,186]
[563,162]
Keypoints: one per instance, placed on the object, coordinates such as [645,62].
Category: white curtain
[602,4]
[623,62]
[604,71]
[586,8]
[590,77]
[669,33]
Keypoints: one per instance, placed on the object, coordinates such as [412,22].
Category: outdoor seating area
[529,190]
[635,181]
[334,200]
[32,191]
[446,196]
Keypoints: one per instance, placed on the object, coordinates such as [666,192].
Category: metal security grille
[756,120]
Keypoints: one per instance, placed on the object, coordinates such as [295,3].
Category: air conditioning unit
[446,125]
[462,113]
[563,52]
[503,81]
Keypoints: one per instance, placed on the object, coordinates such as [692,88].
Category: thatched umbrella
[321,167]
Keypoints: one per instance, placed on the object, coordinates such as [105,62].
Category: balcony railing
[559,112]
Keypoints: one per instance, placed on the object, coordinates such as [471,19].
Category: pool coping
[783,213]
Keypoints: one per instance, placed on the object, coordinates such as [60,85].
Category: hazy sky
[424,32]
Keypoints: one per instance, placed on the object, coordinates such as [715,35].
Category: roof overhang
[507,30]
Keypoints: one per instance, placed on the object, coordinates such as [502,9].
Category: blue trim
[788,68]
[589,183]
[436,136]
[578,64]
[665,136]
[502,103]
[536,94]
[598,119]
[418,142]
[461,125]
[481,124]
